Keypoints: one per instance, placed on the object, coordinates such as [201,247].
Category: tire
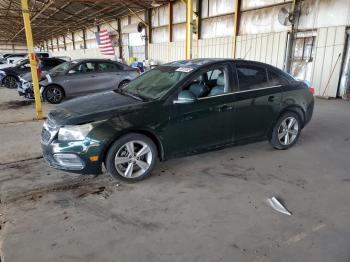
[286,131]
[54,94]
[10,82]
[123,83]
[131,167]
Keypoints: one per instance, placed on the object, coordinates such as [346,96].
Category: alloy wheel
[288,131]
[10,82]
[54,95]
[133,159]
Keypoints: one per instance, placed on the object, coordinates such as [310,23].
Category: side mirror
[185,97]
[71,72]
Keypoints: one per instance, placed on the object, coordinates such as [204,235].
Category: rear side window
[276,79]
[108,67]
[51,62]
[251,77]
[42,55]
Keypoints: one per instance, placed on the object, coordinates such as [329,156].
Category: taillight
[311,90]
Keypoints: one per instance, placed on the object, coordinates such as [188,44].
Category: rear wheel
[286,131]
[123,83]
[54,94]
[131,158]
[10,82]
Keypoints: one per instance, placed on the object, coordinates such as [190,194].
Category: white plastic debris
[276,205]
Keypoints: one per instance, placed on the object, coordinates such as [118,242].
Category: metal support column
[236,26]
[189,29]
[64,43]
[170,26]
[58,44]
[291,36]
[84,38]
[51,45]
[32,58]
[73,41]
[148,33]
[120,42]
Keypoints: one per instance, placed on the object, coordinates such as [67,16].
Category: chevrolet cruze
[176,109]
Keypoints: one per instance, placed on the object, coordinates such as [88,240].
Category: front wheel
[286,131]
[131,158]
[54,94]
[10,82]
[123,84]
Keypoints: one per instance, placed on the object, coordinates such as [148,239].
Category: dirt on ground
[15,104]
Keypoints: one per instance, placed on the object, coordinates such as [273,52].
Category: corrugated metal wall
[330,43]
[267,48]
[165,52]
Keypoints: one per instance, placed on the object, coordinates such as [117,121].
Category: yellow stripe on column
[32,58]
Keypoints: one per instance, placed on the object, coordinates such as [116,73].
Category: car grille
[45,135]
[48,132]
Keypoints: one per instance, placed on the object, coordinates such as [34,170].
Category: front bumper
[2,76]
[71,156]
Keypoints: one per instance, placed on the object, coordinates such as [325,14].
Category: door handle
[93,76]
[225,108]
[271,98]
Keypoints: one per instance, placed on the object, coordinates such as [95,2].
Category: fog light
[70,161]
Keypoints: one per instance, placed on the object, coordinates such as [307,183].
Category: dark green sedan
[176,109]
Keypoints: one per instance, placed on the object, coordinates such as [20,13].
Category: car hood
[92,108]
[4,66]
[28,76]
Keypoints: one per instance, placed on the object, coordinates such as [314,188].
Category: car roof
[93,59]
[195,63]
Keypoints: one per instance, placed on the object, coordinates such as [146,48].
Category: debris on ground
[80,187]
[276,205]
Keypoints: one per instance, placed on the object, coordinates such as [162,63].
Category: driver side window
[209,83]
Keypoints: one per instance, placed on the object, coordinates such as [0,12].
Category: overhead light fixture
[155,4]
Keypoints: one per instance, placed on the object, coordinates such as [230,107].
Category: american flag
[104,42]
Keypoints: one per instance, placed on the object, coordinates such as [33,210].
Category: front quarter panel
[148,118]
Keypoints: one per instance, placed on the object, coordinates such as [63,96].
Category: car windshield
[21,62]
[62,67]
[156,82]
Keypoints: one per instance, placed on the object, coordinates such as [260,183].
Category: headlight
[74,133]
[22,80]
[2,72]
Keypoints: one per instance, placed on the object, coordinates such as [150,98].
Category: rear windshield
[156,82]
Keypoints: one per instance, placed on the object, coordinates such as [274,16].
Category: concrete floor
[209,207]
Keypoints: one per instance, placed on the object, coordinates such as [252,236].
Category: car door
[258,102]
[109,75]
[206,123]
[81,79]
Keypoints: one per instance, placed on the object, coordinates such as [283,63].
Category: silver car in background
[84,76]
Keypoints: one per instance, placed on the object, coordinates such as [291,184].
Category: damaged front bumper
[70,156]
[25,89]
